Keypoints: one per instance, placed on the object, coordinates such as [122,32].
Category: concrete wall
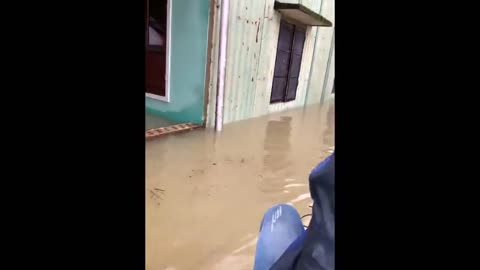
[251,51]
[188,63]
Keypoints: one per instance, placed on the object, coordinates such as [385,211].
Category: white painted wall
[249,96]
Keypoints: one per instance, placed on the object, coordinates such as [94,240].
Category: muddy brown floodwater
[206,193]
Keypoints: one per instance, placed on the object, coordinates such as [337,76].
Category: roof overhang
[301,14]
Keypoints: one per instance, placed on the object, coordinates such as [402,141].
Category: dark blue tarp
[315,249]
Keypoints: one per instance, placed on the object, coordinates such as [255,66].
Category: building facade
[178,64]
[253,38]
[277,58]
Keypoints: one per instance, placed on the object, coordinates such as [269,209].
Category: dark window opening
[155,46]
[288,61]
[157,24]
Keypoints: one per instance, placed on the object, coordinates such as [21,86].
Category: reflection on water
[328,133]
[277,143]
[276,160]
[216,187]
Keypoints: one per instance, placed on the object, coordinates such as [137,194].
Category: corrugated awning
[301,14]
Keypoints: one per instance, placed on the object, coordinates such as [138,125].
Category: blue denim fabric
[281,226]
[315,247]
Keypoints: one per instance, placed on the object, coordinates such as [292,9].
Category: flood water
[206,192]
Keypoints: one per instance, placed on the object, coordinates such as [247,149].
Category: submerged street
[206,192]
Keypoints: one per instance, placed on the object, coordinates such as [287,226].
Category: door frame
[165,98]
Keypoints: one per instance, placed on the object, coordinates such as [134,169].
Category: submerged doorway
[156,49]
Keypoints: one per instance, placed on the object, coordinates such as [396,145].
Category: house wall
[329,77]
[323,62]
[189,31]
[251,51]
[322,67]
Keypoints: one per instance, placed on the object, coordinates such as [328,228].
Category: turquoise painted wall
[187,64]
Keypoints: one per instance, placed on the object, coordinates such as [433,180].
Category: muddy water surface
[206,193]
